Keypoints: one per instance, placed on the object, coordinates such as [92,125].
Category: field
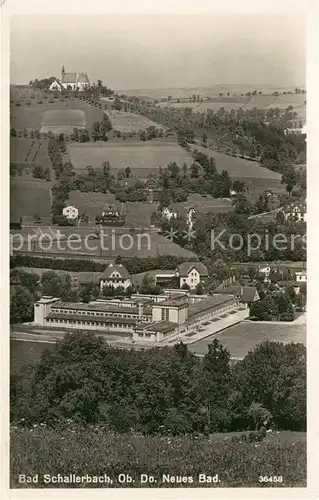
[247,170]
[85,241]
[204,204]
[94,451]
[29,196]
[130,122]
[27,150]
[261,102]
[142,157]
[246,103]
[31,117]
[211,91]
[63,121]
[137,214]
[241,338]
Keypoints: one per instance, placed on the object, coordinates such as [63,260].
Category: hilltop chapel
[71,81]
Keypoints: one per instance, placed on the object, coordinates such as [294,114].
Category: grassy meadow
[242,338]
[141,157]
[96,451]
[29,196]
[130,122]
[32,116]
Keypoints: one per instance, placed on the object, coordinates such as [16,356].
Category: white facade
[173,314]
[70,212]
[169,214]
[192,279]
[301,276]
[296,212]
[116,278]
[42,309]
[56,85]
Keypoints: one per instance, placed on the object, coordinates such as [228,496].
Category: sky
[161,51]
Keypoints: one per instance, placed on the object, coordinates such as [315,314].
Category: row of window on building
[94,313]
[85,322]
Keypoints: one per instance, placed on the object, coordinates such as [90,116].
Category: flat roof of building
[46,299]
[157,326]
[94,306]
[212,303]
[178,301]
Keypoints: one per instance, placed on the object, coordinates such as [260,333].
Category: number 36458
[270,479]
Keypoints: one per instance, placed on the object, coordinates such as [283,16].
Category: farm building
[70,81]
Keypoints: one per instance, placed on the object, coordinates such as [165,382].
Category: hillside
[281,102]
[95,452]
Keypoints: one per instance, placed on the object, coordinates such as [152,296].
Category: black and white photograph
[157,246]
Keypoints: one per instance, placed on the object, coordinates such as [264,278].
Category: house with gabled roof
[191,274]
[115,275]
[70,81]
[296,211]
[245,294]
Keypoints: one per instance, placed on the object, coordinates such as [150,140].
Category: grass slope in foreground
[95,452]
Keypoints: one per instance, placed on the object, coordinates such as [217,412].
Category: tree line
[163,390]
[258,134]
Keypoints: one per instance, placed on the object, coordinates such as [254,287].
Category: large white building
[138,319]
[70,81]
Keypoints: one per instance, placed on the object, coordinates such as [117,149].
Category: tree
[213,387]
[21,305]
[105,127]
[289,178]
[56,285]
[30,281]
[194,170]
[242,205]
[259,414]
[274,375]
[264,309]
[200,289]
[239,186]
[128,172]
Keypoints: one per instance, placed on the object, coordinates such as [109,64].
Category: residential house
[115,275]
[296,211]
[301,277]
[244,294]
[191,274]
[70,212]
[169,213]
[264,271]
